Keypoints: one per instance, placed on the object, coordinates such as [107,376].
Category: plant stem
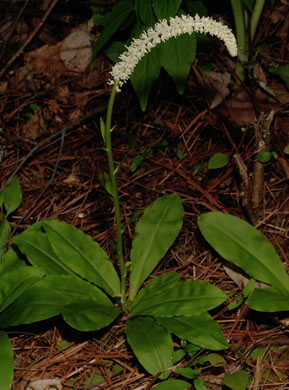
[257,11]
[241,35]
[115,198]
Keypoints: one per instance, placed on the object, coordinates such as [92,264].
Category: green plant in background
[247,14]
[137,16]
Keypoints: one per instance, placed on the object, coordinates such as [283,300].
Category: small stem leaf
[152,345]
[102,128]
[12,196]
[166,8]
[14,283]
[86,314]
[156,286]
[269,300]
[239,242]
[185,299]
[173,384]
[218,160]
[177,56]
[154,234]
[199,330]
[6,362]
[237,381]
[145,74]
[82,255]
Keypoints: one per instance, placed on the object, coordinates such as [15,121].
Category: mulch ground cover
[58,159]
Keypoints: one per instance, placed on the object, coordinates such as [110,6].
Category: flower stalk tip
[161,32]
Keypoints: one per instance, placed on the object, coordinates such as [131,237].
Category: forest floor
[50,138]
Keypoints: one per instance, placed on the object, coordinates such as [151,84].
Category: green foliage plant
[247,14]
[136,16]
[240,243]
[61,271]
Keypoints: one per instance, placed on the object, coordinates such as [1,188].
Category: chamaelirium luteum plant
[121,72]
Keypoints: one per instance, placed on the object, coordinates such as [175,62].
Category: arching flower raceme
[161,32]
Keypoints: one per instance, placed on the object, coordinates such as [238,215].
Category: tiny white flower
[161,32]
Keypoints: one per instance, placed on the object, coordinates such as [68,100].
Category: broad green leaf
[12,196]
[145,74]
[13,284]
[173,384]
[237,381]
[282,72]
[166,8]
[118,15]
[10,262]
[145,12]
[177,56]
[157,285]
[185,299]
[239,242]
[87,314]
[6,362]
[155,232]
[152,345]
[264,157]
[196,7]
[218,160]
[4,237]
[36,247]
[82,255]
[200,330]
[269,300]
[47,298]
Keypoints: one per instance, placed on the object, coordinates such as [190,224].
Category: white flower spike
[161,32]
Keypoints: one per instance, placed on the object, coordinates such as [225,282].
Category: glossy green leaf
[10,262]
[145,74]
[14,283]
[87,314]
[12,196]
[145,12]
[48,297]
[264,157]
[4,237]
[239,242]
[152,345]
[154,234]
[237,381]
[6,362]
[36,247]
[185,299]
[269,300]
[218,160]
[173,384]
[118,15]
[177,56]
[200,330]
[82,255]
[157,285]
[166,8]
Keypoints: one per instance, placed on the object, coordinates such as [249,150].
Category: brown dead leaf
[217,87]
[36,126]
[76,51]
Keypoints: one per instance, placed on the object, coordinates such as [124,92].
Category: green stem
[115,198]
[257,11]
[241,36]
